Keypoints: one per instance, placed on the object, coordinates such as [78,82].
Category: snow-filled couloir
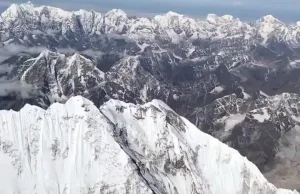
[121,148]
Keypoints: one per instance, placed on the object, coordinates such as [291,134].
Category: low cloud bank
[13,49]
[17,89]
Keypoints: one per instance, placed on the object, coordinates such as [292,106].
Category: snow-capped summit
[29,3]
[212,18]
[122,148]
[11,13]
[115,21]
[269,26]
[176,26]
[228,17]
[166,20]
[269,19]
[116,13]
[66,149]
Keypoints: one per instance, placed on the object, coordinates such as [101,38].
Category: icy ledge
[123,148]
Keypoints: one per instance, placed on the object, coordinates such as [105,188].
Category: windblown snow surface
[123,148]
[66,149]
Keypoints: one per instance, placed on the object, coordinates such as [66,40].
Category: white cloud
[12,49]
[16,88]
[6,68]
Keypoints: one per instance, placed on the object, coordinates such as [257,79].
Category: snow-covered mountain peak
[116,13]
[215,19]
[269,22]
[269,26]
[172,14]
[212,18]
[11,13]
[176,26]
[187,160]
[171,18]
[228,17]
[28,13]
[115,21]
[84,13]
[122,148]
[167,15]
[66,149]
[20,12]
[269,19]
[28,4]
[165,20]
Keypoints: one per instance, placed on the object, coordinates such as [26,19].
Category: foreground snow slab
[66,149]
[122,149]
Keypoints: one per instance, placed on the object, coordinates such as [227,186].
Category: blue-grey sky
[286,10]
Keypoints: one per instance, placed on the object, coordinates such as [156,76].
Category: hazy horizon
[248,10]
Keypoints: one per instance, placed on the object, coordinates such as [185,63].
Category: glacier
[77,147]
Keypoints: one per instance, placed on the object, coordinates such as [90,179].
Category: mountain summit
[121,148]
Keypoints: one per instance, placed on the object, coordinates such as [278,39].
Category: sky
[248,10]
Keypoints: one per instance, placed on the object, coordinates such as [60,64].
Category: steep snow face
[123,148]
[176,26]
[176,157]
[65,149]
[115,21]
[269,26]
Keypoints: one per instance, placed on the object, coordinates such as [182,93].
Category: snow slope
[123,148]
[176,157]
[67,149]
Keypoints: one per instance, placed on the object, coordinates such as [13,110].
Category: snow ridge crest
[75,148]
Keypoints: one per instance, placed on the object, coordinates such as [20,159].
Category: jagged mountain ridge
[77,148]
[171,25]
